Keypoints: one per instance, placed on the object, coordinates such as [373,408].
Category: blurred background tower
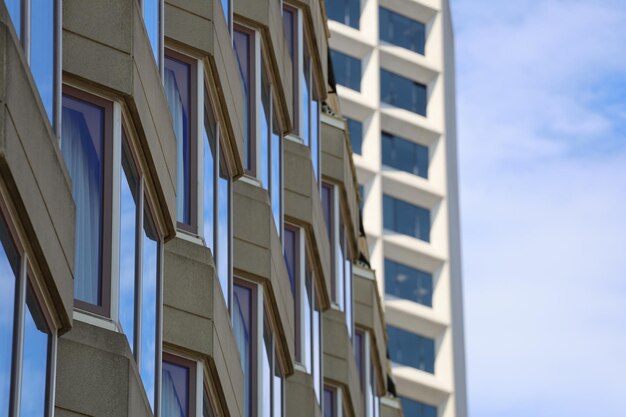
[394,69]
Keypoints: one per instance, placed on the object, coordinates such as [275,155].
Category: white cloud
[542,134]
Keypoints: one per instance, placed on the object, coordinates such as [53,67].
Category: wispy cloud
[542,133]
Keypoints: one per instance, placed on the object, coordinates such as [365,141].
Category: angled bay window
[347,12]
[405,218]
[403,281]
[405,155]
[28,336]
[410,349]
[402,31]
[417,409]
[347,70]
[243,40]
[125,231]
[402,92]
[181,92]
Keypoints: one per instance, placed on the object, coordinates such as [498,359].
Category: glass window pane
[175,391]
[408,283]
[243,49]
[347,12]
[347,70]
[42,50]
[207,407]
[208,172]
[242,321]
[226,10]
[151,9]
[9,271]
[82,141]
[410,349]
[417,409]
[224,229]
[357,345]
[149,280]
[178,94]
[265,131]
[401,30]
[290,242]
[35,360]
[276,181]
[402,92]
[329,402]
[128,246]
[340,279]
[406,218]
[305,99]
[290,31]
[405,155]
[317,349]
[307,318]
[315,140]
[348,283]
[355,128]
[266,373]
[277,389]
[328,208]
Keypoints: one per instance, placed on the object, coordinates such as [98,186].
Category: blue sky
[542,139]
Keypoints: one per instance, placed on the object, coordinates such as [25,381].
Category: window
[410,349]
[406,218]
[332,402]
[417,409]
[306,108]
[217,197]
[355,129]
[408,283]
[341,274]
[401,30]
[402,92]
[308,326]
[87,147]
[243,40]
[178,398]
[347,70]
[347,12]
[358,346]
[152,19]
[27,337]
[227,8]
[372,398]
[264,380]
[181,91]
[42,48]
[405,155]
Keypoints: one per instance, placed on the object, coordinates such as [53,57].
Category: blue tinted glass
[405,155]
[340,268]
[361,197]
[276,186]
[355,128]
[82,140]
[410,349]
[265,132]
[277,390]
[178,94]
[315,139]
[348,283]
[402,217]
[35,361]
[357,345]
[408,283]
[151,19]
[401,30]
[347,12]
[209,173]
[223,229]
[175,391]
[402,92]
[307,318]
[317,351]
[243,45]
[226,9]
[290,249]
[347,70]
[9,270]
[329,403]
[305,100]
[148,308]
[128,230]
[242,321]
[412,408]
[266,373]
[42,50]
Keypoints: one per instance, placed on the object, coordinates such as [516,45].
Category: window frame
[192,369]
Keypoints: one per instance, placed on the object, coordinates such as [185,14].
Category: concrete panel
[391,407]
[32,168]
[300,397]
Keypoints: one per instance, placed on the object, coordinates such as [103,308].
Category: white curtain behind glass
[171,406]
[178,122]
[83,164]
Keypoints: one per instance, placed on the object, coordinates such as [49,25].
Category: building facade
[394,68]
[179,216]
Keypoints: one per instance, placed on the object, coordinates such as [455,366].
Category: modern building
[394,65]
[179,216]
